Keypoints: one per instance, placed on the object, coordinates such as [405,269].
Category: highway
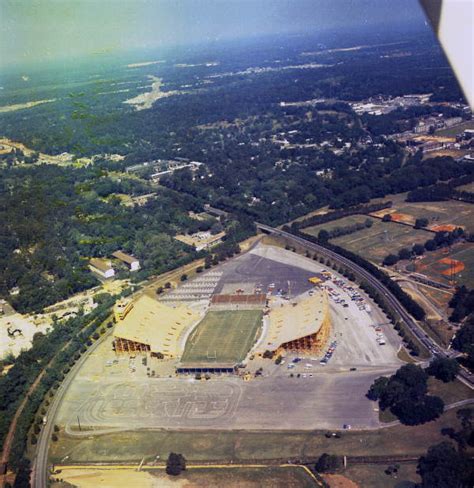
[414,327]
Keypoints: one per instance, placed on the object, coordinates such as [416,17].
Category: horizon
[34,32]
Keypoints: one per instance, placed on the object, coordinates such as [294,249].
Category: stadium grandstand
[152,327]
[301,326]
[238,302]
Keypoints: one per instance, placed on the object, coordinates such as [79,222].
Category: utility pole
[79,423]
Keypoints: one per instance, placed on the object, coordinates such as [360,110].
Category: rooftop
[295,319]
[158,325]
[126,258]
[101,264]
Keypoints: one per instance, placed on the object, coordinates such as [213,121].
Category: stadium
[218,334]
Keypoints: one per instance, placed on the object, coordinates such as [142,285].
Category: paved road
[39,474]
[414,327]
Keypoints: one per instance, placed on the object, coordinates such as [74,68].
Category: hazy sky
[43,30]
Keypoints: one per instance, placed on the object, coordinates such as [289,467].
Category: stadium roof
[157,325]
[294,320]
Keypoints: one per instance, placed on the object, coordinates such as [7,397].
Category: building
[300,326]
[132,263]
[153,327]
[102,267]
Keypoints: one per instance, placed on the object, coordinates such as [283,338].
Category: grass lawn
[458,129]
[373,476]
[451,392]
[438,265]
[234,446]
[223,336]
[382,238]
[373,242]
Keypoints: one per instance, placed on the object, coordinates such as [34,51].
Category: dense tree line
[54,219]
[339,214]
[444,191]
[76,334]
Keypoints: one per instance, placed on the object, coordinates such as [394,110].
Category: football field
[223,336]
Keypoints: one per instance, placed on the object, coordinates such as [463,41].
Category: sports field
[441,215]
[223,337]
[455,264]
[376,242]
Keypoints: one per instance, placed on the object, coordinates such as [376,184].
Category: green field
[458,129]
[223,336]
[432,264]
[235,446]
[438,213]
[376,242]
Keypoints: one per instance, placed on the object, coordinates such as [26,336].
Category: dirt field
[238,477]
[381,239]
[223,336]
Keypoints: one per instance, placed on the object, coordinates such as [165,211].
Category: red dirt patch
[444,227]
[339,481]
[399,217]
[455,266]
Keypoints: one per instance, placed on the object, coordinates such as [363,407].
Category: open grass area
[382,238]
[223,337]
[442,265]
[235,446]
[451,392]
[450,212]
[373,476]
[457,129]
[333,224]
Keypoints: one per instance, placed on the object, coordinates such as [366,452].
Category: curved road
[414,327]
[39,474]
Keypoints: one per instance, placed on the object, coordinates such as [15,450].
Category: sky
[48,30]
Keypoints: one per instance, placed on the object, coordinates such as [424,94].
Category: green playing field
[223,336]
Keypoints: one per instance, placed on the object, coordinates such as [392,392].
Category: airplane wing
[453,24]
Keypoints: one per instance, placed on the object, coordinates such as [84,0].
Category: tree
[323,235]
[443,369]
[387,218]
[390,260]
[377,388]
[444,467]
[175,464]
[421,222]
[184,277]
[418,249]
[404,253]
[328,463]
